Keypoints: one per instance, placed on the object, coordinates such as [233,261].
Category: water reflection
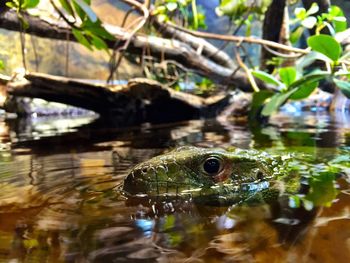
[59,201]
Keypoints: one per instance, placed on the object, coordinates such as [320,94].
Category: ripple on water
[59,201]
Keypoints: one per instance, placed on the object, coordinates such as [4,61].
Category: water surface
[59,200]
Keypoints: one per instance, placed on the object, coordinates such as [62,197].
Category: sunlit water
[59,199]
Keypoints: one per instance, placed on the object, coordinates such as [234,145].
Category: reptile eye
[212,165]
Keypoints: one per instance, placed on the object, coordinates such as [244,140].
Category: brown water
[59,203]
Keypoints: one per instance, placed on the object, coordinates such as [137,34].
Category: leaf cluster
[192,16]
[87,29]
[297,83]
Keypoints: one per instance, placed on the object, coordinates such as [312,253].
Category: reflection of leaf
[301,138]
[169,222]
[30,243]
[322,189]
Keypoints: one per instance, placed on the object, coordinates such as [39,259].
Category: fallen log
[140,100]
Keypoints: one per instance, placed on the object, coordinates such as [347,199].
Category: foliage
[322,188]
[205,87]
[293,83]
[87,28]
[298,83]
[192,16]
[237,8]
[20,5]
[2,65]
[334,20]
[243,12]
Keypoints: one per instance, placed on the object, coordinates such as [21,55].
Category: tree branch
[159,47]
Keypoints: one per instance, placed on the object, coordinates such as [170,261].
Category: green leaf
[309,22]
[97,29]
[296,34]
[81,38]
[288,75]
[231,8]
[87,9]
[275,102]
[11,5]
[322,189]
[266,77]
[300,13]
[79,11]
[338,19]
[304,91]
[30,3]
[312,77]
[258,100]
[309,59]
[98,43]
[344,86]
[340,24]
[67,6]
[326,45]
[2,65]
[24,22]
[171,6]
[313,9]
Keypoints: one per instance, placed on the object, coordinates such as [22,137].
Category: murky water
[59,203]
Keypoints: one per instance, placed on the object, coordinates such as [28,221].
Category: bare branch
[252,40]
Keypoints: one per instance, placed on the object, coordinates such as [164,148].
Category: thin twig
[36,57]
[23,46]
[239,39]
[279,54]
[139,24]
[67,56]
[247,71]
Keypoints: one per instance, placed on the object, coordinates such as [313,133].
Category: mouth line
[170,188]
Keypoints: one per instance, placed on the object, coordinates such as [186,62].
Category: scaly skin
[241,175]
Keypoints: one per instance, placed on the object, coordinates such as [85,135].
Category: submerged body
[212,175]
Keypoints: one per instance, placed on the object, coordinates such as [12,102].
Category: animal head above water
[202,172]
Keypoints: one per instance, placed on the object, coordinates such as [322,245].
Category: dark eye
[212,165]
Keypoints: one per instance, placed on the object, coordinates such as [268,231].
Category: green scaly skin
[244,176]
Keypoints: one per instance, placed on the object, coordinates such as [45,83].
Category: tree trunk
[272,29]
